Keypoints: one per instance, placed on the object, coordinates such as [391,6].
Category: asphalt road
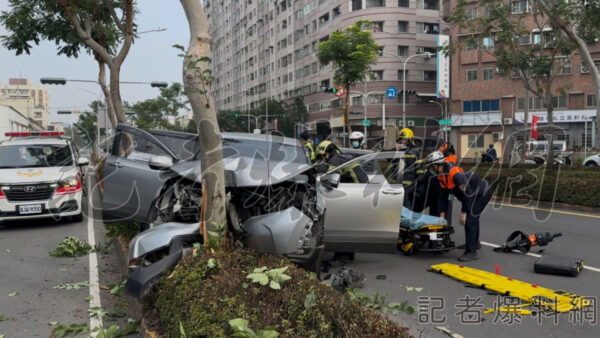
[28,270]
[444,299]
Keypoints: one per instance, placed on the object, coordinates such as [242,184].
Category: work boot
[464,246]
[467,257]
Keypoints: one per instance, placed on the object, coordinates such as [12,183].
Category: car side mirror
[158,162]
[82,161]
[331,180]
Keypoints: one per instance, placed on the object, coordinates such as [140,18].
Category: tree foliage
[295,113]
[152,113]
[535,63]
[352,53]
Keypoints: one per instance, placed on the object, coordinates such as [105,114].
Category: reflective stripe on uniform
[406,182]
[419,161]
[420,171]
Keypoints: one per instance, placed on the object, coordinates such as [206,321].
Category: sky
[151,58]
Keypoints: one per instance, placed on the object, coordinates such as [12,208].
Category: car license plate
[30,209]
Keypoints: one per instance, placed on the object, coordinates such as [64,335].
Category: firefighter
[310,152]
[330,154]
[356,139]
[471,190]
[447,149]
[412,155]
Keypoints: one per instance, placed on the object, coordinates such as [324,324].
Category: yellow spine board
[558,300]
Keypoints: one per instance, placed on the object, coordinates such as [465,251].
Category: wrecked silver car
[154,178]
[275,201]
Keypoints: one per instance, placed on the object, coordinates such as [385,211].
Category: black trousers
[477,206]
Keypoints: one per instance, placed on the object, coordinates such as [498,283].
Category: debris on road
[345,278]
[448,332]
[520,241]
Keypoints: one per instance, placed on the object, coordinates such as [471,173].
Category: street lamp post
[404,62]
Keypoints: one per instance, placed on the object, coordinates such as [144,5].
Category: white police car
[40,177]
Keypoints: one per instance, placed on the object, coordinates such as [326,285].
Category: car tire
[77,218]
[591,164]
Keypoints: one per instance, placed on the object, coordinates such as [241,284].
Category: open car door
[134,175]
[363,217]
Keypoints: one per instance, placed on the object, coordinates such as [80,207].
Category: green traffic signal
[236,115]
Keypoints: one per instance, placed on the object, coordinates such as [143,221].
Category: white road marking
[94,277]
[557,211]
[537,256]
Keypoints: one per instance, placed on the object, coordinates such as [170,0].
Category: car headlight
[69,185]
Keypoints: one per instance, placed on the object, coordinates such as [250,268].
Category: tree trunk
[115,93]
[213,177]
[346,117]
[548,99]
[102,81]
[585,55]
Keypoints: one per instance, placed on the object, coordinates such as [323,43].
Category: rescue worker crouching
[331,157]
[310,152]
[471,190]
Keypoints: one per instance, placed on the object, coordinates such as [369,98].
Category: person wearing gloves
[471,190]
[356,139]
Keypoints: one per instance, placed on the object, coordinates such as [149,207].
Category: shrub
[561,184]
[204,299]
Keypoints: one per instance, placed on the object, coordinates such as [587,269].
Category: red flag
[534,127]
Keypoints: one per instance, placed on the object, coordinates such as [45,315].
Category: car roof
[234,136]
[34,141]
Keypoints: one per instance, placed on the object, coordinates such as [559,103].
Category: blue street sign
[391,92]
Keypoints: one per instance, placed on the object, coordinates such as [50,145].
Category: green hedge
[203,299]
[561,184]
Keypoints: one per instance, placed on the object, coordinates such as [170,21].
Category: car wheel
[591,164]
[77,218]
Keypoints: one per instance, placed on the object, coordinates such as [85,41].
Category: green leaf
[118,288]
[259,278]
[263,269]
[212,263]
[395,312]
[267,334]
[385,309]
[181,331]
[309,300]
[409,288]
[213,234]
[97,311]
[277,271]
[117,313]
[180,47]
[12,294]
[238,324]
[418,289]
[283,277]
[274,285]
[393,305]
[52,323]
[410,310]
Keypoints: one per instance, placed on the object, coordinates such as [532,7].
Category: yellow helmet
[406,133]
[325,147]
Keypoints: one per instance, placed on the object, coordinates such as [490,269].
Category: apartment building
[30,100]
[488,108]
[266,49]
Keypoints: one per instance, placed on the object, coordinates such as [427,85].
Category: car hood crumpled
[245,171]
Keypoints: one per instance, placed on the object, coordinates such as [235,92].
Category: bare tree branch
[113,14]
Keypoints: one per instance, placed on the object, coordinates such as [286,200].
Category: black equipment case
[556,265]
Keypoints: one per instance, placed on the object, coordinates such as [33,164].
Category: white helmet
[434,158]
[356,138]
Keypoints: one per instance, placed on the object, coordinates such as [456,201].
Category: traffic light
[408,92]
[236,115]
[64,112]
[281,115]
[159,84]
[330,90]
[53,80]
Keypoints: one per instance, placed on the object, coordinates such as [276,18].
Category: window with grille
[487,73]
[472,75]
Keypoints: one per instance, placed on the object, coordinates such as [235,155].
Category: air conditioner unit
[420,50]
[410,123]
[497,136]
[508,121]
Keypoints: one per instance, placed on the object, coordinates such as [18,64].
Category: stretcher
[545,299]
[419,232]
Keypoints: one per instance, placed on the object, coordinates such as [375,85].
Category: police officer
[330,154]
[310,152]
[473,191]
[356,139]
